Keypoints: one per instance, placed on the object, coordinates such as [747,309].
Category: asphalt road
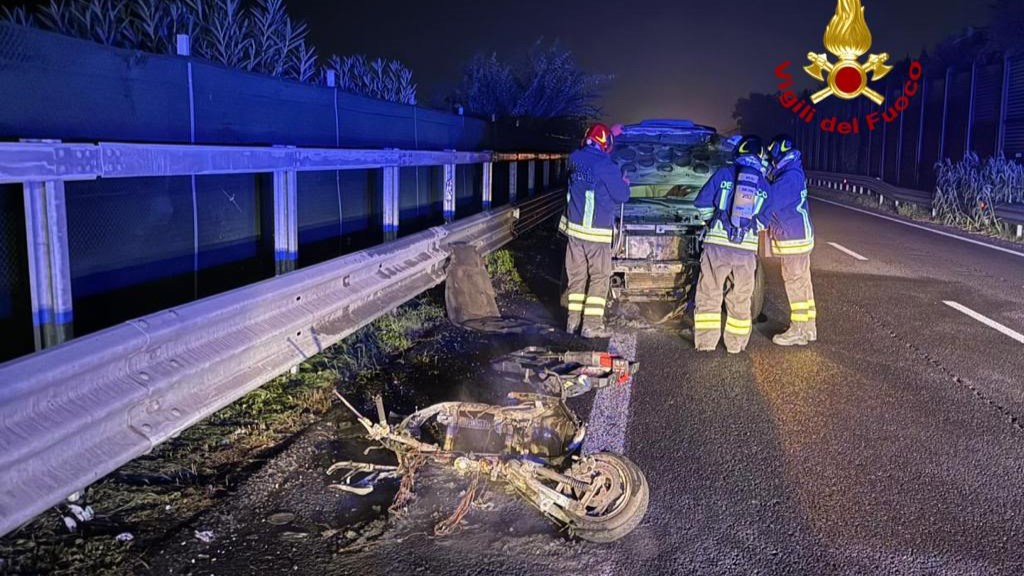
[892,446]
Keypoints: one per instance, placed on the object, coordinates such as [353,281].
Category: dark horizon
[668,60]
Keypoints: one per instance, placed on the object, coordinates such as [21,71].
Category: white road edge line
[986,321]
[609,417]
[925,228]
[847,251]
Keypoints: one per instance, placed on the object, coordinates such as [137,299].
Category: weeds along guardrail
[1010,214]
[74,412]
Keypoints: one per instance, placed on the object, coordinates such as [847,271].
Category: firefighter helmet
[780,146]
[751,146]
[600,136]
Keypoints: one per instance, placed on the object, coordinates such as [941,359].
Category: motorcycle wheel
[618,506]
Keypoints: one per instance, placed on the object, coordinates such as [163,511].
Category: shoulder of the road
[953,235]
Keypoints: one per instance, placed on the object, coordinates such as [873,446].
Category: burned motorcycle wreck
[531,445]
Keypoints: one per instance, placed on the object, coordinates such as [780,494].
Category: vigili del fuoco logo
[848,38]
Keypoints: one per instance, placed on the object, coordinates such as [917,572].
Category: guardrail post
[286,221]
[49,266]
[531,178]
[546,175]
[513,181]
[488,185]
[449,192]
[390,202]
[1020,230]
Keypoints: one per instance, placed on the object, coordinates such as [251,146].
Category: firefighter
[596,190]
[733,204]
[792,239]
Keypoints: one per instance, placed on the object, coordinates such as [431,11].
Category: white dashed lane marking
[610,417]
[985,320]
[847,251]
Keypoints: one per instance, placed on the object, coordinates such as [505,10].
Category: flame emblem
[848,38]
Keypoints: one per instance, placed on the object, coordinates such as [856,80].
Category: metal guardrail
[73,413]
[1013,214]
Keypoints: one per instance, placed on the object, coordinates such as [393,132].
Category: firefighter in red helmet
[596,190]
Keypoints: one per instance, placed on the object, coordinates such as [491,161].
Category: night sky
[670,58]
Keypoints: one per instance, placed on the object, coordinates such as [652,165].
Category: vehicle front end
[657,249]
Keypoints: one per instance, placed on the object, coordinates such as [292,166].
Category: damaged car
[657,249]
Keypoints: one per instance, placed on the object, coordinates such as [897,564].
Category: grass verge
[140,503]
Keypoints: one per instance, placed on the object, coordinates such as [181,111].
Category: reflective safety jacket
[596,190]
[792,231]
[714,201]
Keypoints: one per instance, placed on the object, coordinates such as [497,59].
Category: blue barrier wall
[144,244]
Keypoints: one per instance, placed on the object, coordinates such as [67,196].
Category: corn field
[251,35]
[968,191]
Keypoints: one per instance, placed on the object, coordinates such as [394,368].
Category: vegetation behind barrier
[967,192]
[252,35]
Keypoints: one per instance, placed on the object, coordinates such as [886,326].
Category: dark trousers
[588,266]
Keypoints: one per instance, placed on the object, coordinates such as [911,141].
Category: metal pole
[970,109]
[885,145]
[286,224]
[390,204]
[488,185]
[1001,134]
[546,172]
[945,114]
[513,181]
[899,150]
[49,264]
[920,133]
[449,192]
[531,178]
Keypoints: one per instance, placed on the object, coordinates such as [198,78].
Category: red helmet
[601,136]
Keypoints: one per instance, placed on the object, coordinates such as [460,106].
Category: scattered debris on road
[567,374]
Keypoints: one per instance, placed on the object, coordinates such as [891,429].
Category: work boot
[795,336]
[594,332]
[734,350]
[811,329]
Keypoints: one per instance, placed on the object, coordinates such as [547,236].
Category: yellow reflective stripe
[577,297]
[718,237]
[738,331]
[707,326]
[812,314]
[565,224]
[589,237]
[811,302]
[800,242]
[594,312]
[800,306]
[708,316]
[596,301]
[575,307]
[740,327]
[800,317]
[793,250]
